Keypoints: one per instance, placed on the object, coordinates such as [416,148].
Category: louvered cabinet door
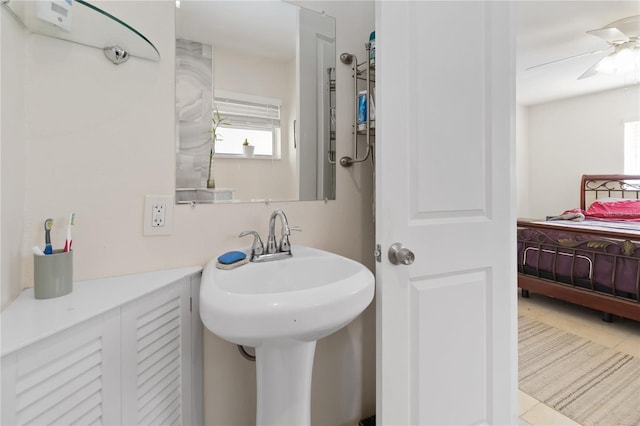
[156,348]
[67,379]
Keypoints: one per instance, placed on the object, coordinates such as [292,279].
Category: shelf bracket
[116,54]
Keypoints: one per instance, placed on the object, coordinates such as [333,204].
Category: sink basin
[305,297]
[282,308]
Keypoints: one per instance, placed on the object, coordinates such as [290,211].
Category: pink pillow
[627,209]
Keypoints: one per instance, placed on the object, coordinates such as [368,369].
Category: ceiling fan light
[620,62]
[624,59]
[606,65]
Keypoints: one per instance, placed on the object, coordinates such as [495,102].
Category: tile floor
[623,335]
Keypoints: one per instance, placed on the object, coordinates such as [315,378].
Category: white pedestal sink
[282,308]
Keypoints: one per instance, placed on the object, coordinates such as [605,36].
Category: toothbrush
[48,224]
[69,241]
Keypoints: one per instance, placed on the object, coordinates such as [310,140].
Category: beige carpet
[587,382]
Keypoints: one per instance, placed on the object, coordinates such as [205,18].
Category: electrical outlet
[158,215]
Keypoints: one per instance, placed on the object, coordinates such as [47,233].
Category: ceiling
[264,28]
[550,30]
[546,31]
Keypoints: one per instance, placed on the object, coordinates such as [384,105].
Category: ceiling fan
[623,36]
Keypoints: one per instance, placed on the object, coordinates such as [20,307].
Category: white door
[446,324]
[69,378]
[156,355]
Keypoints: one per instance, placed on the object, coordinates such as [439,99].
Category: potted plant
[217,120]
[247,149]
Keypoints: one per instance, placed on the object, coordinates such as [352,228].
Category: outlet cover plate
[166,201]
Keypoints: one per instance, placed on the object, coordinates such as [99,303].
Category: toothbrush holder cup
[52,274]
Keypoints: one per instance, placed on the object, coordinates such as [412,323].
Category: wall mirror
[266,71]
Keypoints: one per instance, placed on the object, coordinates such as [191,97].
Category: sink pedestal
[282,308]
[283,369]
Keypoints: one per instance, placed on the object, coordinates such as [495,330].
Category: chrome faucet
[285,232]
[274,251]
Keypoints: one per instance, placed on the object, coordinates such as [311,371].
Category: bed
[594,262]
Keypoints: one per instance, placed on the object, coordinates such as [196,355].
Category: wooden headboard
[593,187]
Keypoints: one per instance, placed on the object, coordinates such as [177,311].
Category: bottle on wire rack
[372,49]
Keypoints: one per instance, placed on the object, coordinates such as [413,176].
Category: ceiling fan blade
[591,71]
[595,52]
[610,35]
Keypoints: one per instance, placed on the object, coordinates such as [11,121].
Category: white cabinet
[132,364]
[155,358]
[67,378]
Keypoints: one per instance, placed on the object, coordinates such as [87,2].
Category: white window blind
[256,121]
[244,114]
[632,148]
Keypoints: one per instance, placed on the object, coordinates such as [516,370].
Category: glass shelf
[79,22]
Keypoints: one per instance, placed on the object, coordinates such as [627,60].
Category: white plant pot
[247,150]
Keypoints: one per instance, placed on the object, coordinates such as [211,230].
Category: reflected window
[632,148]
[250,118]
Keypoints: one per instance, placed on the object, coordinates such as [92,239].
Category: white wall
[269,78]
[522,161]
[572,137]
[99,137]
[13,155]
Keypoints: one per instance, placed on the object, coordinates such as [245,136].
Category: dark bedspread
[608,265]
